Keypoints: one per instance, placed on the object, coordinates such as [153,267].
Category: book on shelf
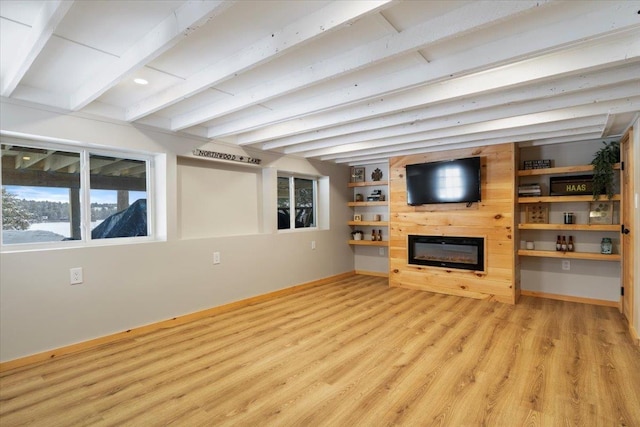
[529,190]
[538,194]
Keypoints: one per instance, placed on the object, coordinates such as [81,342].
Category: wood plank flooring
[351,353]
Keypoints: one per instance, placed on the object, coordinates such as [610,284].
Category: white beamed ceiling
[344,81]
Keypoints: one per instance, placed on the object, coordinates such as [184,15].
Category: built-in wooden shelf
[563,199]
[566,227]
[560,170]
[570,255]
[367,183]
[570,227]
[369,242]
[370,223]
[385,203]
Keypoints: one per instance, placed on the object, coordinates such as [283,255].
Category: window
[62,194]
[299,193]
[118,197]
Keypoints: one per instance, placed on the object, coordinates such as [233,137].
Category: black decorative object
[537,164]
[376,175]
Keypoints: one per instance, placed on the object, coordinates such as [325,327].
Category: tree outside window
[45,198]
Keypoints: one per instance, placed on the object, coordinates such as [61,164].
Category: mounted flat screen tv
[451,181]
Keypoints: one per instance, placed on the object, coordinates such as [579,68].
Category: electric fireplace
[465,253]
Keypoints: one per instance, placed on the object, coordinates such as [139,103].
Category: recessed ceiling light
[141,81]
[26,158]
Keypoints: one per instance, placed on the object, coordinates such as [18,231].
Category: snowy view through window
[42,214]
[44,195]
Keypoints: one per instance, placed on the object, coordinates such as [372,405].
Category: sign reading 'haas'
[225,156]
[571,185]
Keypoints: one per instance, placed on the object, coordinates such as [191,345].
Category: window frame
[84,152]
[292,201]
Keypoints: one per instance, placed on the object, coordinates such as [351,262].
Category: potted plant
[357,234]
[603,177]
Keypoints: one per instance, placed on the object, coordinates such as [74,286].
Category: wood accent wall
[493,218]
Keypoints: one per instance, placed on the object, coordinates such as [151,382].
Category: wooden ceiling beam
[578,134]
[475,134]
[472,17]
[614,52]
[56,163]
[537,96]
[168,33]
[519,46]
[580,116]
[582,104]
[123,167]
[27,159]
[51,14]
[315,25]
[38,178]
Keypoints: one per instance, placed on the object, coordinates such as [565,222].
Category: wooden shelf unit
[524,201]
[560,170]
[369,223]
[564,199]
[369,242]
[570,227]
[363,204]
[368,184]
[569,255]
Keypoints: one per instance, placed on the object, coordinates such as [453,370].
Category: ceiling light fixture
[26,158]
[140,81]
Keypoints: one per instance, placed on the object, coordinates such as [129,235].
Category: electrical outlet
[566,264]
[381,251]
[313,244]
[216,257]
[75,276]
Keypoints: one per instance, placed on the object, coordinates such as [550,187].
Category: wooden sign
[537,214]
[571,185]
[537,164]
[225,156]
[601,213]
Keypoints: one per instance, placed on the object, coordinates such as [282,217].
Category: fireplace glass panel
[465,253]
[447,253]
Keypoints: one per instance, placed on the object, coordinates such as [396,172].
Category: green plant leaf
[603,176]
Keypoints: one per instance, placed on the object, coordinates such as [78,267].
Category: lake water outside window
[43,200]
[39,187]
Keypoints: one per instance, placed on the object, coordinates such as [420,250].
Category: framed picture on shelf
[357,217]
[357,174]
[537,214]
[601,212]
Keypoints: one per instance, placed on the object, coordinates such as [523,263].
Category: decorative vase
[606,246]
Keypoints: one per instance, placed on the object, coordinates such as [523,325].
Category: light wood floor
[352,353]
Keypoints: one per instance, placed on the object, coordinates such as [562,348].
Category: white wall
[216,199]
[126,286]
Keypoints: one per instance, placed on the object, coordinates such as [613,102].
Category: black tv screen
[451,181]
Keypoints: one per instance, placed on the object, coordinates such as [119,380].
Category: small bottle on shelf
[373,236]
[563,245]
[570,244]
[558,244]
[379,235]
